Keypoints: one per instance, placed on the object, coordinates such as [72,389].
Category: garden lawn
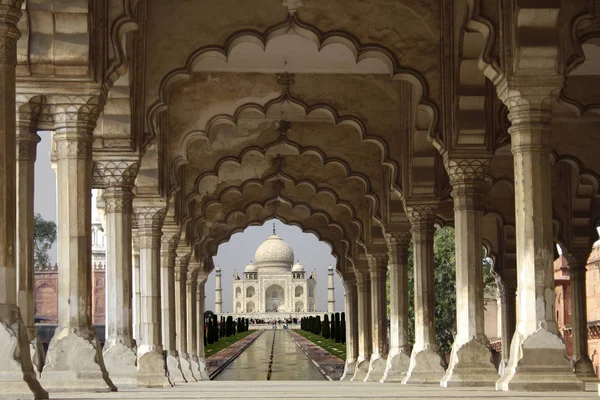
[224,342]
[337,349]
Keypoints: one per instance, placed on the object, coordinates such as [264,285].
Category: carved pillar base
[470,365]
[17,378]
[396,367]
[361,371]
[121,361]
[377,366]
[38,355]
[202,368]
[425,368]
[349,370]
[75,364]
[539,362]
[151,370]
[195,367]
[174,368]
[186,368]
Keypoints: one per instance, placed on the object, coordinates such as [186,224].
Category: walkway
[273,356]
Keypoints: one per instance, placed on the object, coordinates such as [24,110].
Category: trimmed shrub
[326,330]
[343,327]
[332,330]
[338,330]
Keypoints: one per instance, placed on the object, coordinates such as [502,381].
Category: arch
[274,298]
[250,307]
[238,307]
[250,291]
[238,292]
[298,291]
[299,306]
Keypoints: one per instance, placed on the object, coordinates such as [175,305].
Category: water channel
[273,356]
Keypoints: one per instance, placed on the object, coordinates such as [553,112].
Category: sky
[233,255]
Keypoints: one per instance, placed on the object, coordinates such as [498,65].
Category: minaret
[218,292]
[330,289]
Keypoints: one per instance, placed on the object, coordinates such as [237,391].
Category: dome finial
[273,228]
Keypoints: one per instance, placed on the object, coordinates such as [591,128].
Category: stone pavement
[224,390]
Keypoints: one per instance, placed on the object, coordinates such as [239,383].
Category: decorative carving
[292,5]
[278,162]
[115,173]
[150,218]
[149,240]
[421,214]
[283,127]
[121,203]
[78,113]
[27,147]
[464,170]
[286,80]
[80,148]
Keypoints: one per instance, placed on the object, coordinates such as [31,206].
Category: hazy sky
[233,255]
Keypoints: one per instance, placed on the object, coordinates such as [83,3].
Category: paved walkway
[329,364]
[224,390]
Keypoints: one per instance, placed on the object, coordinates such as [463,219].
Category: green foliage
[44,235]
[326,330]
[338,329]
[229,326]
[332,330]
[445,288]
[343,328]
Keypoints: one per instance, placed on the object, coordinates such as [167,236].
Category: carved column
[529,104]
[425,362]
[17,377]
[170,240]
[74,360]
[27,140]
[118,178]
[470,361]
[200,291]
[135,286]
[192,327]
[351,328]
[399,355]
[363,290]
[507,291]
[151,362]
[181,274]
[378,270]
[584,368]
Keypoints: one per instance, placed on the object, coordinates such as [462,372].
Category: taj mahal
[273,284]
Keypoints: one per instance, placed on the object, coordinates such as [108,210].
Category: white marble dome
[298,268]
[274,255]
[250,268]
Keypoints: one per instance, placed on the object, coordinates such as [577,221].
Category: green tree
[44,236]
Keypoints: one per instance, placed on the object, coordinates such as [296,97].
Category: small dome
[250,268]
[298,268]
[274,253]
[330,268]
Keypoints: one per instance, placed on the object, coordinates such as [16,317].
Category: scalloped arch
[322,40]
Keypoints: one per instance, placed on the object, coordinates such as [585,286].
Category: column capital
[397,239]
[108,173]
[181,264]
[377,261]
[27,145]
[467,170]
[74,115]
[170,240]
[150,217]
[577,259]
[10,14]
[118,201]
[421,213]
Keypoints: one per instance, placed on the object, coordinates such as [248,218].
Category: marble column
[351,329]
[74,360]
[425,362]
[537,356]
[181,274]
[200,297]
[508,308]
[27,140]
[135,285]
[151,361]
[192,325]
[218,292]
[170,240]
[17,377]
[379,335]
[399,355]
[120,356]
[470,360]
[330,291]
[363,290]
[584,368]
